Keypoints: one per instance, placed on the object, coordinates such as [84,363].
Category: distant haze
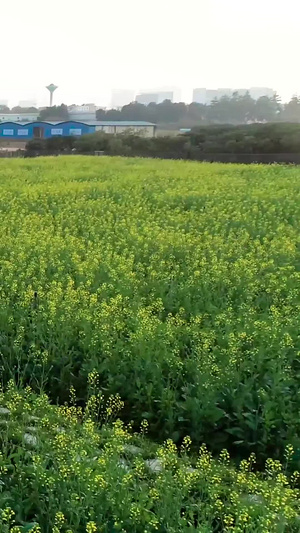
[89,47]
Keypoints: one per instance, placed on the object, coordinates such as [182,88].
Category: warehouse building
[82,113]
[146,129]
[18,117]
[16,131]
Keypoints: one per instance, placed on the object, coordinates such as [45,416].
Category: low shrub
[61,471]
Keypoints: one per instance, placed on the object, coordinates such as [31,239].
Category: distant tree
[291,111]
[153,113]
[111,114]
[220,110]
[235,110]
[101,114]
[195,113]
[267,109]
[55,113]
[134,111]
[243,108]
[19,109]
[29,110]
[4,109]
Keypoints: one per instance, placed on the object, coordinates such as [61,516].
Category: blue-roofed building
[16,131]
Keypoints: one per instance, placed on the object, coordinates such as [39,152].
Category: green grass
[177,285]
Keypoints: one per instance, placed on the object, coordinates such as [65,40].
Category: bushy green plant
[61,471]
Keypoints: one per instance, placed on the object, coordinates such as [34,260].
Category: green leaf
[28,526]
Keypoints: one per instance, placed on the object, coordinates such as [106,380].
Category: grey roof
[86,122]
[118,123]
[18,123]
[41,122]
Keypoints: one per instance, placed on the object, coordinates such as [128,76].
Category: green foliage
[125,144]
[19,109]
[56,112]
[51,146]
[91,143]
[200,143]
[249,139]
[64,469]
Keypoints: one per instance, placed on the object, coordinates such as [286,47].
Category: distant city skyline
[94,47]
[206,96]
[121,97]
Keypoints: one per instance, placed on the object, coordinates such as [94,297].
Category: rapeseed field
[156,304]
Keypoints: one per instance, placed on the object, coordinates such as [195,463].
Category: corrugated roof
[36,122]
[86,122]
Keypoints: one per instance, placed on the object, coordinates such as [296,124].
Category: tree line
[202,143]
[237,109]
[17,109]
[59,112]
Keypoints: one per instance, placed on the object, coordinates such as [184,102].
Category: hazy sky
[90,47]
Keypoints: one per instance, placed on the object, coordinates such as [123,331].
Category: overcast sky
[89,47]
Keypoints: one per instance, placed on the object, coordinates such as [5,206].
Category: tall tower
[51,88]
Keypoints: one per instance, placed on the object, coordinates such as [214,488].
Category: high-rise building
[154,97]
[241,92]
[224,92]
[258,92]
[27,103]
[199,95]
[4,102]
[147,98]
[206,96]
[165,95]
[211,94]
[122,97]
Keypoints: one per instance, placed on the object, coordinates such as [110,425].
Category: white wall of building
[258,92]
[199,95]
[145,131]
[147,98]
[18,117]
[82,112]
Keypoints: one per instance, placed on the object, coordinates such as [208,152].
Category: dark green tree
[267,109]
[55,113]
[19,109]
[291,111]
